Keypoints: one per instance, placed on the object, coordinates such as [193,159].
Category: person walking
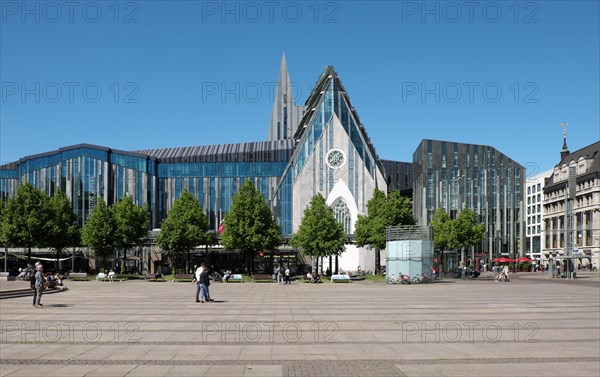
[39,286]
[280,275]
[197,274]
[204,282]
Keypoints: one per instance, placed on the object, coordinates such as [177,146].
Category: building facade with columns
[571,225]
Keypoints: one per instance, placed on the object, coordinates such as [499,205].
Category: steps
[25,292]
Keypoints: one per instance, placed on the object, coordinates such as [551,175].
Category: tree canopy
[249,225]
[99,231]
[185,226]
[319,234]
[64,231]
[26,219]
[442,229]
[382,212]
[466,231]
[131,223]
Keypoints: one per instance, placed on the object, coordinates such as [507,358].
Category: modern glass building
[454,176]
[154,177]
[319,148]
[85,173]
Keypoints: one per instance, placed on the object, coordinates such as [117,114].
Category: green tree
[249,225]
[382,212]
[64,231]
[465,232]
[131,224]
[99,231]
[26,219]
[442,231]
[319,234]
[2,233]
[184,228]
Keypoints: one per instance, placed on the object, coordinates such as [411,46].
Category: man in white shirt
[197,274]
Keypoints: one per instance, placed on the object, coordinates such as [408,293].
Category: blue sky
[150,74]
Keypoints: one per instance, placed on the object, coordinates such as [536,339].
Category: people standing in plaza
[496,270]
[204,282]
[505,273]
[279,275]
[39,285]
[287,276]
[197,274]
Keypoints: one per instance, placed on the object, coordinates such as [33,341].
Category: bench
[154,277]
[235,278]
[262,278]
[340,278]
[78,276]
[184,277]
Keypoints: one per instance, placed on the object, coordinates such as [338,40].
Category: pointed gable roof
[329,74]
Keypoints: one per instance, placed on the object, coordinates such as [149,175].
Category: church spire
[285,115]
[565,150]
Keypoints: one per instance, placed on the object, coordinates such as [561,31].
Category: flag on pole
[221,228]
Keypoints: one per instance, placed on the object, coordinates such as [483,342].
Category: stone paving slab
[532,326]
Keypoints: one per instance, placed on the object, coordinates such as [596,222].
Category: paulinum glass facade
[84,172]
[156,177]
[455,176]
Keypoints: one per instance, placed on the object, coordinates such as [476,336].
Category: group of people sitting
[313,278]
[54,281]
[103,276]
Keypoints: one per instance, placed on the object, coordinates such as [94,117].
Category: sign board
[236,276]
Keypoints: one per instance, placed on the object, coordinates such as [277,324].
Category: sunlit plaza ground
[532,326]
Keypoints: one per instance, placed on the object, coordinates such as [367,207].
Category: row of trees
[33,219]
[118,227]
[248,228]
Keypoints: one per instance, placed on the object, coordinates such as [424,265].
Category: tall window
[342,215]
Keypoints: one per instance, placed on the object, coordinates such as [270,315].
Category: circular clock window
[336,158]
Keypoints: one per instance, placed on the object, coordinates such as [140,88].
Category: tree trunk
[377,261]
[28,254]
[187,263]
[336,264]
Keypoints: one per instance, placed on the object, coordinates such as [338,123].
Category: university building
[319,147]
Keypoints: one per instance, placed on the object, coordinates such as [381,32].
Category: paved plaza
[532,326]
